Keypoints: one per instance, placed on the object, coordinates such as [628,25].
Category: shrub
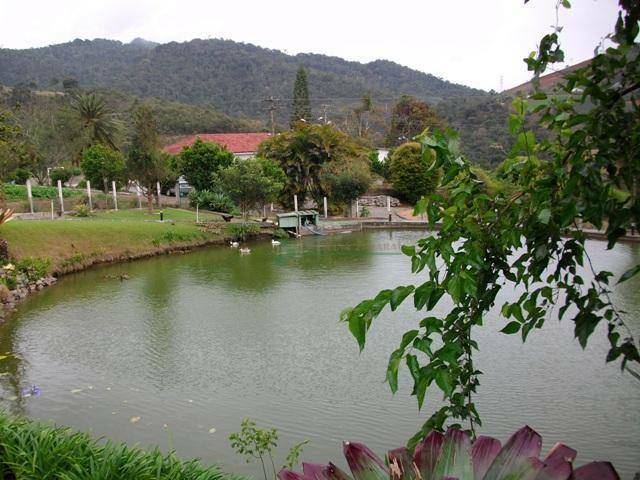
[242,231]
[20,176]
[61,174]
[102,164]
[410,172]
[34,268]
[214,201]
[82,210]
[377,166]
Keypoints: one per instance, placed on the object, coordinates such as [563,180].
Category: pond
[192,344]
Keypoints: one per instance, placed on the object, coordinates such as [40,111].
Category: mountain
[234,78]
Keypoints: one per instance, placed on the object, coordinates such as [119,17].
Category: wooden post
[89,195]
[60,196]
[356,208]
[29,195]
[115,197]
[139,195]
[197,213]
[295,202]
[158,190]
[325,208]
[389,206]
[51,209]
[272,208]
[178,193]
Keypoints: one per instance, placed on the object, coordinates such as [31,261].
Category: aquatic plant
[454,455]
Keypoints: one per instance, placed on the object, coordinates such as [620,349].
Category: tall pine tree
[300,108]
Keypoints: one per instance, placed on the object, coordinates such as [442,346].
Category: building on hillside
[242,145]
[547,82]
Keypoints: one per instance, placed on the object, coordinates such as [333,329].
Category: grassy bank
[30,450]
[108,236]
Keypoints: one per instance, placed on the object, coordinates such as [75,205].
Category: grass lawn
[75,242]
[170,214]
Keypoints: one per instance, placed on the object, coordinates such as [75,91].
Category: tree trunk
[150,200]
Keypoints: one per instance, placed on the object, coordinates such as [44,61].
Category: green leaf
[443,380]
[398,295]
[544,216]
[632,272]
[408,250]
[566,4]
[512,327]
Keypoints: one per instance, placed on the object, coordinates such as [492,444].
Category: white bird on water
[275,243]
[234,244]
[245,250]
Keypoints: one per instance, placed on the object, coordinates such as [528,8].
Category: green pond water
[197,342]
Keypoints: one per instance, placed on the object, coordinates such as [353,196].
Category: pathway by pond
[194,343]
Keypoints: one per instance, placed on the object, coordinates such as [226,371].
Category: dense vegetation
[33,451]
[232,77]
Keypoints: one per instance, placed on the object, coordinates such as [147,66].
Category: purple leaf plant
[455,456]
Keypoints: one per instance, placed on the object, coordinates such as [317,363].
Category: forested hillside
[233,77]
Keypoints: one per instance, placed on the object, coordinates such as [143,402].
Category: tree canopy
[201,161]
[306,153]
[300,106]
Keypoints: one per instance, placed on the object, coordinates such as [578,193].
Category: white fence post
[325,208]
[29,195]
[158,190]
[89,195]
[60,195]
[115,197]
[51,209]
[295,202]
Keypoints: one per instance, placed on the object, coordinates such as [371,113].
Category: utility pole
[272,109]
[325,110]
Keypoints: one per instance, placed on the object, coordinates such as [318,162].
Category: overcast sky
[473,42]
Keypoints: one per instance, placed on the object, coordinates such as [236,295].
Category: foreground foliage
[33,451]
[528,238]
[455,456]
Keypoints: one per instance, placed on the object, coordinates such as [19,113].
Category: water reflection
[205,339]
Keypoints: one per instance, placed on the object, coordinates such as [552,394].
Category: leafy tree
[411,173]
[96,119]
[306,153]
[530,238]
[146,163]
[345,186]
[362,113]
[409,118]
[21,95]
[300,107]
[70,85]
[102,165]
[250,183]
[214,201]
[199,163]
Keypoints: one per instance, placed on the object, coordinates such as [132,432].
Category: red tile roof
[546,81]
[234,142]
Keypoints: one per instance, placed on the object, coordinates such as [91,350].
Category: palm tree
[97,120]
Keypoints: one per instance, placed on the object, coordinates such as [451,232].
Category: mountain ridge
[234,77]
